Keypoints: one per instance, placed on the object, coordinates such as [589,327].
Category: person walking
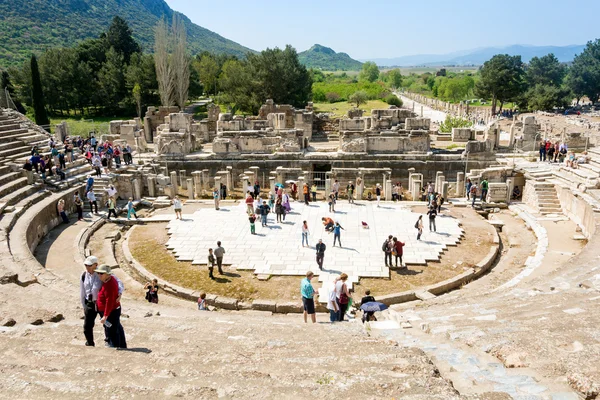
[131,209]
[332,306]
[219,252]
[350,191]
[378,193]
[279,211]
[308,293]
[469,184]
[272,201]
[305,233]
[419,227]
[332,202]
[61,211]
[256,189]
[79,205]
[91,196]
[264,211]
[342,295]
[335,188]
[484,189]
[320,248]
[89,184]
[249,203]
[216,198]
[542,150]
[177,206]
[89,287]
[111,205]
[211,264]
[432,214]
[337,232]
[313,190]
[306,193]
[386,247]
[252,219]
[473,194]
[109,307]
[397,251]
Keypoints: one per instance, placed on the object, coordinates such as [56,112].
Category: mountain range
[321,57]
[28,26]
[480,55]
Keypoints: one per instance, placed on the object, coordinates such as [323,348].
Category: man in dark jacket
[320,247]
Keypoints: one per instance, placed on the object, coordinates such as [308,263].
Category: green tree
[111,80]
[546,96]
[208,69]
[369,72]
[237,87]
[546,70]
[37,94]
[120,37]
[358,98]
[137,96]
[393,78]
[502,80]
[584,75]
[141,72]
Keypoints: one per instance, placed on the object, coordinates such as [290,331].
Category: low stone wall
[578,210]
[274,306]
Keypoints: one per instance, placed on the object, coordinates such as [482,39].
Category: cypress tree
[37,94]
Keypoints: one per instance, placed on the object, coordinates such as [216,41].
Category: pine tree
[37,94]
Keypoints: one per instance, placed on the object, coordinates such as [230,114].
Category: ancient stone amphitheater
[528,329]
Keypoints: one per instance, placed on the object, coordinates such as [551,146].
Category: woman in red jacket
[397,251]
[109,308]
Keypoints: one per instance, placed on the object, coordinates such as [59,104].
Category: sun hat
[103,269]
[91,260]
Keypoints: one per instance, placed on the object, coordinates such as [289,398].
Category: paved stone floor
[277,250]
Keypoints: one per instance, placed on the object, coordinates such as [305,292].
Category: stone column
[421,111]
[151,186]
[229,178]
[197,177]
[190,188]
[435,183]
[137,189]
[279,172]
[205,183]
[182,179]
[415,190]
[327,186]
[460,184]
[174,180]
[438,183]
[272,184]
[244,182]
[218,186]
[360,188]
[301,188]
[510,182]
[254,173]
[445,186]
[388,190]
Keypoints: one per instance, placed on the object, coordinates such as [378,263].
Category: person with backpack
[419,227]
[386,247]
[342,294]
[473,193]
[484,189]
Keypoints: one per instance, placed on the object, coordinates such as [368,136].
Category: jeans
[306,198]
[333,315]
[89,321]
[320,260]
[542,155]
[432,223]
[342,311]
[112,211]
[483,194]
[398,256]
[64,217]
[263,218]
[304,238]
[94,206]
[337,236]
[388,258]
[314,196]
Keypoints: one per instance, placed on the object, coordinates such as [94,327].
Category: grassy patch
[147,245]
[82,127]
[340,109]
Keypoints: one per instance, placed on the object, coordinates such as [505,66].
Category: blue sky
[387,28]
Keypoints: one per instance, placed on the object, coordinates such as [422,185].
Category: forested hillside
[36,25]
[324,58]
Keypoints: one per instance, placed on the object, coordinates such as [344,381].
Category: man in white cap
[89,287]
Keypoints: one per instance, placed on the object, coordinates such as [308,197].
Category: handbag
[343,296]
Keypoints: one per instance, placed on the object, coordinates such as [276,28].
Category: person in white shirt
[111,191]
[332,306]
[90,285]
[177,206]
[91,196]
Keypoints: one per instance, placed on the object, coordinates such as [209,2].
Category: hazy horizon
[348,27]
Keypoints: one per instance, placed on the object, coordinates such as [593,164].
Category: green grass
[340,109]
[82,127]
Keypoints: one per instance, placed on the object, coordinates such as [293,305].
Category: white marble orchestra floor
[277,250]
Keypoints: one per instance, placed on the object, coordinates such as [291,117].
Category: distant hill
[324,58]
[28,26]
[481,55]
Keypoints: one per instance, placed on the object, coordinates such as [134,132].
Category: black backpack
[384,247]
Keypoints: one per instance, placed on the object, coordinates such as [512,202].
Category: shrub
[393,100]
[332,97]
[454,122]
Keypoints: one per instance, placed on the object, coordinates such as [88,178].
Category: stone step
[9,219]
[11,132]
[9,121]
[15,151]
[9,177]
[4,169]
[10,145]
[12,186]
[18,195]
[9,127]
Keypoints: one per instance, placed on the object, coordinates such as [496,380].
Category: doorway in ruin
[319,174]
